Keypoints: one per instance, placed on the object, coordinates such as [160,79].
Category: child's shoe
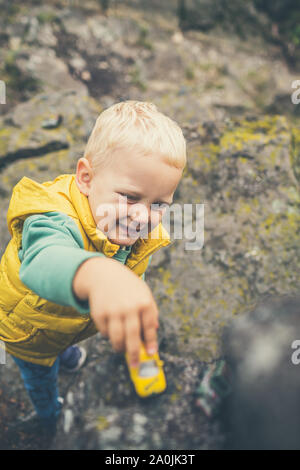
[72,359]
[31,431]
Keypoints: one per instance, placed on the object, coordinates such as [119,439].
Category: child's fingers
[150,341]
[150,324]
[102,325]
[133,339]
[116,333]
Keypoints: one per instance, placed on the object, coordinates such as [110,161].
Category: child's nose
[140,213]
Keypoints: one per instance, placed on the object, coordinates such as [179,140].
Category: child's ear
[84,175]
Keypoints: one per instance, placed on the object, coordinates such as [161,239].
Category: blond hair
[137,127]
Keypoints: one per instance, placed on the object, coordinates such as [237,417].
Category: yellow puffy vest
[35,329]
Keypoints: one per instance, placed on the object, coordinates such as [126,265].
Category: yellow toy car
[148,378]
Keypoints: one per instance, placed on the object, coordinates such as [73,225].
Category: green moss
[268,125]
[189,73]
[170,287]
[9,11]
[5,137]
[143,39]
[295,152]
[202,158]
[292,194]
[136,79]
[25,135]
[15,78]
[47,17]
[244,208]
[237,138]
[102,423]
[173,397]
[207,66]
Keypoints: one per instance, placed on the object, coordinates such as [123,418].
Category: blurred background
[225,72]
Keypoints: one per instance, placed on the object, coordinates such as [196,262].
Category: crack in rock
[52,146]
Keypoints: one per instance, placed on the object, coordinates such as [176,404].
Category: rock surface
[243,165]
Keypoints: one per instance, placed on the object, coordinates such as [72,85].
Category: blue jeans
[41,385]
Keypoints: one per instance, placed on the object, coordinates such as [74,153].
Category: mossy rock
[243,175]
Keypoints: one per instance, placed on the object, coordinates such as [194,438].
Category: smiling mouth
[124,228]
[136,233]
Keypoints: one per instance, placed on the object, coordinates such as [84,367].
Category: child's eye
[159,206]
[131,198]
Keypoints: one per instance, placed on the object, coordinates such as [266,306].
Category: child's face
[144,180]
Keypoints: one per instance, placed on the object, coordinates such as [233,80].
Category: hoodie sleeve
[52,251]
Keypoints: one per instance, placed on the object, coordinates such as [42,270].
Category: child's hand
[121,305]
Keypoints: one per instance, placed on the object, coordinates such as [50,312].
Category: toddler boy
[80,247]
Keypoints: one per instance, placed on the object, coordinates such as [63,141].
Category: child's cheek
[156,217]
[122,212]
